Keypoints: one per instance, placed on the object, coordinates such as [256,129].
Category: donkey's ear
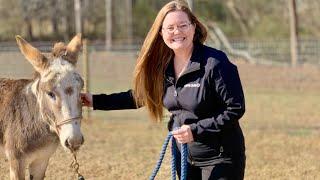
[73,48]
[32,54]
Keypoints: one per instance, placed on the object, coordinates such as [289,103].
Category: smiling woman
[197,84]
[176,32]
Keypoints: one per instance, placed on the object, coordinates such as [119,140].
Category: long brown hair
[155,56]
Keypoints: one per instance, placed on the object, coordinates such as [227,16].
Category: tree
[129,20]
[293,32]
[53,16]
[77,15]
[108,24]
[235,12]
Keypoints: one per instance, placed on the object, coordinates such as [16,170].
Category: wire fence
[273,51]
[279,50]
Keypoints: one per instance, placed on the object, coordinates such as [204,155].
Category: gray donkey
[37,113]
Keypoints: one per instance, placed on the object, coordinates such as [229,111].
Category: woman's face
[177,30]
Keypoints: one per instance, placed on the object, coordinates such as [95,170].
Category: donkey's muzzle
[74,143]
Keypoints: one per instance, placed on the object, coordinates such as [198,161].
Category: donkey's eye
[51,95]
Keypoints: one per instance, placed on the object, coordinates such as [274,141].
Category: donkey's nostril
[82,140]
[67,144]
[74,143]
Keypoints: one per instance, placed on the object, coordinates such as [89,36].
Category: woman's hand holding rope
[183,134]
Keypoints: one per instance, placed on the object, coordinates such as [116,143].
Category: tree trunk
[129,21]
[236,14]
[53,18]
[29,28]
[224,40]
[108,24]
[190,3]
[293,32]
[77,15]
[69,20]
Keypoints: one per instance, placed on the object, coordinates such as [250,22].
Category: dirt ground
[281,127]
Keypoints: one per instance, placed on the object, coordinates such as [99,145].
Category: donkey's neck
[21,119]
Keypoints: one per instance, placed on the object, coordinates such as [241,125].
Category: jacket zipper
[176,96]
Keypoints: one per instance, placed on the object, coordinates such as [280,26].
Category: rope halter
[63,122]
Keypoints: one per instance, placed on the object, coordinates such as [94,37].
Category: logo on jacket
[195,85]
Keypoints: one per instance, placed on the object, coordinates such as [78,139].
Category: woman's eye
[51,95]
[183,26]
[170,28]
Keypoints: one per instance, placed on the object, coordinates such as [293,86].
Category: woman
[198,85]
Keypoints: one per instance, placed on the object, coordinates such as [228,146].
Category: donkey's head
[57,89]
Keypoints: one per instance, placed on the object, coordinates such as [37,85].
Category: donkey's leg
[38,167]
[16,162]
[17,169]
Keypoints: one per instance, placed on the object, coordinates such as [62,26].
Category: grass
[281,125]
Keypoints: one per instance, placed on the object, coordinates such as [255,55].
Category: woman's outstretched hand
[183,134]
[86,99]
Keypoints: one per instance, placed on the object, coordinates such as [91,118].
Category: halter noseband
[58,124]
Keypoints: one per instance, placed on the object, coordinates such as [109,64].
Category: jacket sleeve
[115,101]
[225,81]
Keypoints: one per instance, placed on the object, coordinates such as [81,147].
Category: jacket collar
[193,65]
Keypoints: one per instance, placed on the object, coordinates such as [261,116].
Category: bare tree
[237,15]
[219,38]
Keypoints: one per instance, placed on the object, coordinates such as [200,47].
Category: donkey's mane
[59,50]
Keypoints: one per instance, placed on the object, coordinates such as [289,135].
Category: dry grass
[281,126]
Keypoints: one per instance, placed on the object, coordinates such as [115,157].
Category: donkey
[37,113]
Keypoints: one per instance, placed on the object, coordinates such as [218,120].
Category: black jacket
[208,96]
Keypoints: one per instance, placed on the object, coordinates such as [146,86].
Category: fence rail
[277,51]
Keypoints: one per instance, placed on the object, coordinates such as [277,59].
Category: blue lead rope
[184,153]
